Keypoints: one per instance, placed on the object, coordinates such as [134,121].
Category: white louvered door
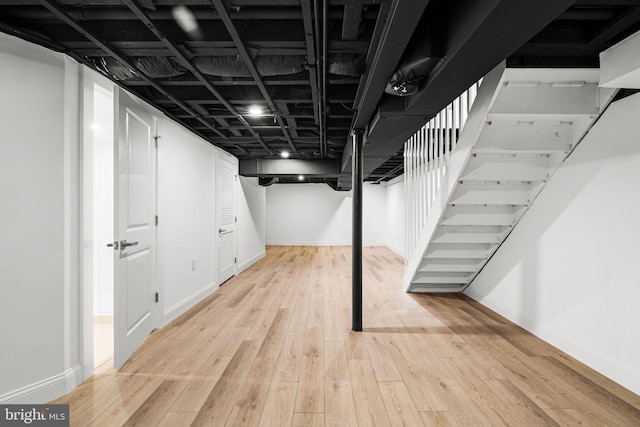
[226,176]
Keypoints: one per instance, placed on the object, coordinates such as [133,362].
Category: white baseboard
[395,249]
[177,309]
[623,375]
[245,265]
[46,390]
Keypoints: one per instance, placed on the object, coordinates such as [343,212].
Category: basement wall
[41,311]
[395,204]
[568,272]
[186,211]
[252,206]
[316,215]
[39,223]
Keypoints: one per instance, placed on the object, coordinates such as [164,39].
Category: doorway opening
[102,126]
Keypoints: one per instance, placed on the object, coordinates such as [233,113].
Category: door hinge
[235,260]
[156,219]
[156,138]
[157,297]
[235,218]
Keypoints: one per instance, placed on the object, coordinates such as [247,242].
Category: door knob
[124,244]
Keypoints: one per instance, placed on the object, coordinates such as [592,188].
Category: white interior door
[135,201]
[226,176]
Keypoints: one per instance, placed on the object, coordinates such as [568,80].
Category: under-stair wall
[463,203]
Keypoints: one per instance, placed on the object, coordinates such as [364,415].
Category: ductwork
[347,64]
[151,66]
[233,66]
[159,66]
[228,66]
[266,182]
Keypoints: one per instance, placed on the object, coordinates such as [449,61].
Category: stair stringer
[460,156]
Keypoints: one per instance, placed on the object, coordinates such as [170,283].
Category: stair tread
[432,288]
[527,131]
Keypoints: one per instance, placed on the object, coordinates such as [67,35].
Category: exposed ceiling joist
[351,21]
[224,15]
[120,58]
[198,78]
[310,42]
[184,61]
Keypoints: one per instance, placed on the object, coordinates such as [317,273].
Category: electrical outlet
[193,265]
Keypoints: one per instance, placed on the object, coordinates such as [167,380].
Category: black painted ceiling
[318,68]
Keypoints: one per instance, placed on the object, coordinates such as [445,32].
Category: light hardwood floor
[273,347]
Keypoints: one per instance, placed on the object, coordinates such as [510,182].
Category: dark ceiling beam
[304,83]
[238,3]
[310,42]
[233,32]
[292,129]
[323,84]
[245,102]
[403,19]
[294,116]
[248,139]
[184,61]
[292,124]
[351,21]
[203,51]
[381,23]
[225,125]
[56,10]
[474,44]
[624,20]
[290,167]
[395,32]
[88,13]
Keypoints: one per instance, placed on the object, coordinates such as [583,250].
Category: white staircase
[469,179]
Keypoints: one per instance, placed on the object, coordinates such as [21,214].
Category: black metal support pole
[356,259]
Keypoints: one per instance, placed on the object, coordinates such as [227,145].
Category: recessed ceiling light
[255,110]
[284,154]
[300,177]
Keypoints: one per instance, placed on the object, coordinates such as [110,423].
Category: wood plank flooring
[273,347]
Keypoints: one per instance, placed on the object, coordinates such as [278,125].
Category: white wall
[568,272]
[186,210]
[316,215]
[252,205]
[102,209]
[39,118]
[395,235]
[41,311]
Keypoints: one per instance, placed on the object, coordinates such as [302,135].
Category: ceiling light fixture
[284,154]
[300,177]
[255,110]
